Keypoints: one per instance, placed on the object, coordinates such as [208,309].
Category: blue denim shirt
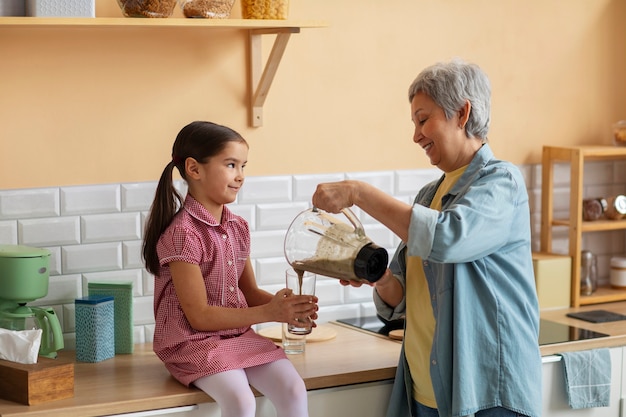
[478,263]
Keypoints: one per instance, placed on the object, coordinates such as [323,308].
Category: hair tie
[176,159]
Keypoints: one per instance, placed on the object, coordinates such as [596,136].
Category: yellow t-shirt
[420,330]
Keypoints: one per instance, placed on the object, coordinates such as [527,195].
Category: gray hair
[450,84]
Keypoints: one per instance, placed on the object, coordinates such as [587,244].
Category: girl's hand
[286,307]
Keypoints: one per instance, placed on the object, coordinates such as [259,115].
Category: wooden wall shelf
[261,75]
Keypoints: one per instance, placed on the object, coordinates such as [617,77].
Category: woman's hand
[334,196]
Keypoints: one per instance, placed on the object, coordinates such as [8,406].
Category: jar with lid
[594,208]
[618,272]
[616,207]
[588,273]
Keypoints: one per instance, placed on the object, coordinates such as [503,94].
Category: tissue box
[122,292]
[46,380]
[553,274]
[61,8]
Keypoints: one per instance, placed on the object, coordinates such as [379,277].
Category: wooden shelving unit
[576,156]
[261,74]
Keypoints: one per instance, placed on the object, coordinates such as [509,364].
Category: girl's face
[444,141]
[221,177]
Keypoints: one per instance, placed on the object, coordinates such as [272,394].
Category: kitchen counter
[139,382]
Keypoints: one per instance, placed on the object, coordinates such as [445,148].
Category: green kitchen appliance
[24,276]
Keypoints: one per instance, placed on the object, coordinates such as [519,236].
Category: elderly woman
[463,274]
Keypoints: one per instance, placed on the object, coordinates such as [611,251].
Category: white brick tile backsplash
[330,313]
[110,227]
[247,211]
[277,215]
[55,260]
[49,231]
[267,244]
[304,185]
[92,257]
[131,254]
[24,204]
[138,197]
[358,294]
[598,173]
[90,199]
[271,271]
[148,282]
[128,275]
[62,289]
[383,180]
[329,292]
[409,182]
[265,190]
[8,232]
[143,312]
[95,232]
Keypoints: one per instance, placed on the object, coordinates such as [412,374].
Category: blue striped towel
[588,378]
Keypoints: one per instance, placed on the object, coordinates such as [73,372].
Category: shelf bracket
[261,77]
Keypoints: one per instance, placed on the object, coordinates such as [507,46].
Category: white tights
[279,381]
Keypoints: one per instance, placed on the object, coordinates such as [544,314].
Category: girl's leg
[280,382]
[231,391]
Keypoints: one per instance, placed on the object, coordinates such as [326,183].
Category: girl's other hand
[286,307]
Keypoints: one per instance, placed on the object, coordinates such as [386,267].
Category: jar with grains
[265,9]
[619,133]
[147,8]
[208,9]
[616,207]
[593,208]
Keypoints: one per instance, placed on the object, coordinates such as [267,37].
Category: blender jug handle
[49,324]
[358,227]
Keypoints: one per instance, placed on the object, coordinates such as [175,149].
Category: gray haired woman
[463,275]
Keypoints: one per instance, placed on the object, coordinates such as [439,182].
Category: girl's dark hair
[197,140]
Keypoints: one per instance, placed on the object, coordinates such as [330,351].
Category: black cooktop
[549,332]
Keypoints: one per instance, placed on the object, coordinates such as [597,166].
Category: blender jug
[319,242]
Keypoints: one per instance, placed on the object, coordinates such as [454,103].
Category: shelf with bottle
[576,156]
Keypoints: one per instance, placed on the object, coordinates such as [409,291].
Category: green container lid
[21,251]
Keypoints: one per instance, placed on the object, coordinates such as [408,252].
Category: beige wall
[96,105]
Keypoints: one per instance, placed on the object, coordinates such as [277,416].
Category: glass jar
[616,207]
[588,273]
[147,8]
[208,9]
[265,9]
[618,272]
[619,133]
[593,208]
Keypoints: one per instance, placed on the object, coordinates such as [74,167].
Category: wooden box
[46,380]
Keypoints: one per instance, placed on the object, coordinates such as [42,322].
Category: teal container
[122,292]
[95,328]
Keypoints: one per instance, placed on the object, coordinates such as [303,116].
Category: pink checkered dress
[221,250]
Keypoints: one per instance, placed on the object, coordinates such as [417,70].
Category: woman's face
[444,141]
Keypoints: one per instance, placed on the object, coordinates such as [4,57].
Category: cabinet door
[555,397]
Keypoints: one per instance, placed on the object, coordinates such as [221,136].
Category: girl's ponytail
[167,202]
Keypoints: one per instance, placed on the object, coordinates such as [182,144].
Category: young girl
[205,293]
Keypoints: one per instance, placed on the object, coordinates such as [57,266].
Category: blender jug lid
[21,251]
[371,262]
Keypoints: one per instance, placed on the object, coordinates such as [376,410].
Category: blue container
[122,292]
[95,328]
